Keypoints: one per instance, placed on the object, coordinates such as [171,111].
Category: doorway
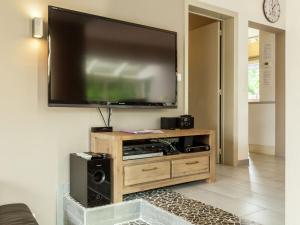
[211,69]
[205,80]
[266,90]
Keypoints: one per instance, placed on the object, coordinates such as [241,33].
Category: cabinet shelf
[143,174]
[166,157]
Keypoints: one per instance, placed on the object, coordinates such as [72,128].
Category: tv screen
[97,61]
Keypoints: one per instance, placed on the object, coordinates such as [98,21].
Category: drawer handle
[145,170]
[192,163]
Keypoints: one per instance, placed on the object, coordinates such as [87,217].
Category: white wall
[36,140]
[262,128]
[292,113]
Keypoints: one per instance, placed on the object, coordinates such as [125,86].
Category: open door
[204,79]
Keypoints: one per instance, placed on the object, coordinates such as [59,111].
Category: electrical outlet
[179,77]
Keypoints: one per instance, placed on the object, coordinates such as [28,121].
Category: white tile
[235,206]
[272,203]
[265,190]
[228,190]
[267,217]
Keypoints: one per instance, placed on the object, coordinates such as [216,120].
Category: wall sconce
[37,27]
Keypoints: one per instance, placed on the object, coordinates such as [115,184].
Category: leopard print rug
[193,211]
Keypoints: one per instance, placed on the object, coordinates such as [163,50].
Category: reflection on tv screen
[94,60]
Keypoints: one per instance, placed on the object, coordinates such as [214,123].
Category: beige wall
[292,113]
[36,140]
[280,95]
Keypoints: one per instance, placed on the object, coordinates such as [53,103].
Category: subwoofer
[90,178]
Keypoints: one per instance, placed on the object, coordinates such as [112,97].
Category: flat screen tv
[101,62]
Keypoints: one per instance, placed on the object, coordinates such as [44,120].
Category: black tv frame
[88,104]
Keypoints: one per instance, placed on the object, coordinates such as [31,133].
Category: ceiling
[196,21]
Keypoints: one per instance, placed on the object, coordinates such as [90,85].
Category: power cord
[99,109]
[109,112]
[109,115]
[166,143]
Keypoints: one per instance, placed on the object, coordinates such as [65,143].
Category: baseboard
[262,149]
[243,162]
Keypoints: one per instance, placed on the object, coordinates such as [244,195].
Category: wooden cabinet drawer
[144,173]
[190,166]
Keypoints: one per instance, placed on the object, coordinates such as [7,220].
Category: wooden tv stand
[143,174]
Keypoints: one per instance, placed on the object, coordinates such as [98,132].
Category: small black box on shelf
[185,122]
[168,123]
[101,129]
[191,144]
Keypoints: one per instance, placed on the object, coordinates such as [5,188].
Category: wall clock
[271,10]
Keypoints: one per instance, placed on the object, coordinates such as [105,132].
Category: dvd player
[141,151]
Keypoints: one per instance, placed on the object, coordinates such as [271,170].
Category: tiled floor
[255,192]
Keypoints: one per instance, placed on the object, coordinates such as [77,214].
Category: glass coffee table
[134,212]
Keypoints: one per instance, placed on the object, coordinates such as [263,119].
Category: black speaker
[168,123]
[90,178]
[185,143]
[185,122]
